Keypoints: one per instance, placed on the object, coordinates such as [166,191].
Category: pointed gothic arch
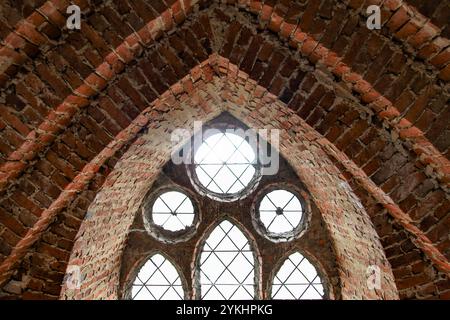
[423,138]
[155,144]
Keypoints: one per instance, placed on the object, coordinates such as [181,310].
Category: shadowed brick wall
[72,102]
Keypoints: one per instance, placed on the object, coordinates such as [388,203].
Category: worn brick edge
[221,66]
[27,31]
[410,26]
[405,23]
[419,237]
[114,63]
[78,184]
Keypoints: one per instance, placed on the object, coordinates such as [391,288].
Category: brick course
[66,113]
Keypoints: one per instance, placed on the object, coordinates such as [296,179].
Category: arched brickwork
[381,98]
[341,211]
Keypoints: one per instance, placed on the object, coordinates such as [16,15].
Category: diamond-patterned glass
[280,211]
[227,265]
[225,163]
[173,211]
[157,280]
[297,279]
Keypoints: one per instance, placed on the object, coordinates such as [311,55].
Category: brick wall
[345,219]
[71,106]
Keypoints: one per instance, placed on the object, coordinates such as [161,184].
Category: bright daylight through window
[280,211]
[225,163]
[224,263]
[227,265]
[173,211]
[297,279]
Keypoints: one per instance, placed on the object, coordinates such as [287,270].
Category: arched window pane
[227,265]
[157,280]
[297,279]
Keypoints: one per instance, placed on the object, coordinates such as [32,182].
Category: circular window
[280,211]
[173,211]
[225,164]
[170,215]
[280,214]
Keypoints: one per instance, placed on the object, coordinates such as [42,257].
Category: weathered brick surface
[338,207]
[61,108]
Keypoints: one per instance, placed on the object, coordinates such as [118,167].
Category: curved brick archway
[354,238]
[71,103]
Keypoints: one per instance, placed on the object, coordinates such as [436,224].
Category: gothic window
[280,211]
[206,215]
[170,214]
[280,214]
[227,265]
[225,165]
[157,280]
[173,211]
[297,279]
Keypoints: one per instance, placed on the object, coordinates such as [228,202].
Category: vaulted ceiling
[72,101]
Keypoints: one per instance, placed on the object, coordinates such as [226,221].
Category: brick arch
[34,25]
[52,145]
[136,171]
[203,73]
